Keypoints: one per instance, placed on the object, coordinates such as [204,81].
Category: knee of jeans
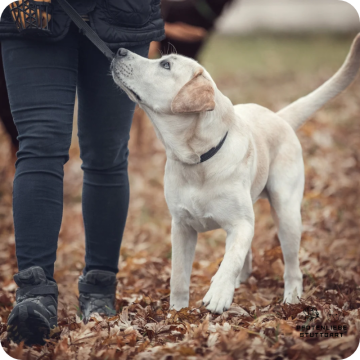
[106,160]
[44,147]
[45,167]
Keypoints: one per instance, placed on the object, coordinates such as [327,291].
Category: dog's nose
[121,52]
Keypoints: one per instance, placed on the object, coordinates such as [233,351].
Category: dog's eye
[165,65]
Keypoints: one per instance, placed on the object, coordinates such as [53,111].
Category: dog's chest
[195,208]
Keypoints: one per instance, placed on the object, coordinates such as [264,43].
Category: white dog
[222,158]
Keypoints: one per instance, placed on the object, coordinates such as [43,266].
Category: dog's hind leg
[285,189]
[245,271]
[183,239]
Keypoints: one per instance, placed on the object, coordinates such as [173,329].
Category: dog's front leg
[183,239]
[221,292]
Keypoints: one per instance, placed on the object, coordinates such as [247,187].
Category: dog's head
[173,84]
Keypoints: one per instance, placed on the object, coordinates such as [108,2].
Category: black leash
[85,29]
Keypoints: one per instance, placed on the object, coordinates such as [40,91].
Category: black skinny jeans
[42,80]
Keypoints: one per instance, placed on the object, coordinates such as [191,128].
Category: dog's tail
[299,111]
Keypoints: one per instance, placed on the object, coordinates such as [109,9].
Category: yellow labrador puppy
[222,158]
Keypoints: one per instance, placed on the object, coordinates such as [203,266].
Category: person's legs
[41,80]
[5,112]
[105,115]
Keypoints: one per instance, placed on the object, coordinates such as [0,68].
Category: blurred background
[269,52]
[288,16]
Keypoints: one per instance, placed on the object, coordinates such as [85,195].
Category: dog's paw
[292,296]
[219,297]
[179,301]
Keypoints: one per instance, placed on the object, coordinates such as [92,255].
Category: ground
[264,69]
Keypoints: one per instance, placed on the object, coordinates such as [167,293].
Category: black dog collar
[209,154]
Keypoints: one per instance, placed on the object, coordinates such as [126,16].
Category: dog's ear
[195,96]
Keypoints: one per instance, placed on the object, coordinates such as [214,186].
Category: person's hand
[184,32]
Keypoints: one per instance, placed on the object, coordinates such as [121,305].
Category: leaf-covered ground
[271,71]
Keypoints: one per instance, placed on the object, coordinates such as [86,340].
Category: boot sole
[27,324]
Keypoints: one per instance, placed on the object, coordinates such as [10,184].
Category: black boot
[35,312]
[97,293]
